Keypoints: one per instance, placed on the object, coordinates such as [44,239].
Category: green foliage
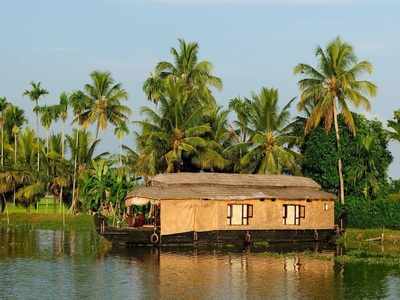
[102,98]
[394,125]
[320,158]
[262,127]
[13,117]
[378,213]
[334,83]
[174,136]
[104,186]
[196,75]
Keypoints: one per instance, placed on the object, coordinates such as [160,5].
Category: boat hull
[145,236]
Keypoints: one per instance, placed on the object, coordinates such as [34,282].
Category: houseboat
[196,208]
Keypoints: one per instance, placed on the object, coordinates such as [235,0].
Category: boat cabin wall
[179,216]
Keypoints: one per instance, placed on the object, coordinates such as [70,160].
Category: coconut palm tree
[334,85]
[13,116]
[395,126]
[82,147]
[266,150]
[211,156]
[15,132]
[47,116]
[120,131]
[367,174]
[27,149]
[14,119]
[196,75]
[15,176]
[173,134]
[35,93]
[240,106]
[3,106]
[11,180]
[62,113]
[79,103]
[130,161]
[104,97]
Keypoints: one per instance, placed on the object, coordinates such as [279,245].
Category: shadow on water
[48,264]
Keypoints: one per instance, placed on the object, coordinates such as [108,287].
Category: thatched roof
[227,193]
[219,186]
[250,180]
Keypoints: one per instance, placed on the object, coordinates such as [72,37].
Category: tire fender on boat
[154,238]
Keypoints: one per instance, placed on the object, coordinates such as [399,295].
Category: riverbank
[371,246]
[50,221]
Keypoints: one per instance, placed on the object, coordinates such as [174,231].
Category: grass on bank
[45,218]
[354,235]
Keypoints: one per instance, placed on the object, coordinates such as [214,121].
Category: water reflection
[43,264]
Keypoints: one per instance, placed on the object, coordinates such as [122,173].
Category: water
[46,264]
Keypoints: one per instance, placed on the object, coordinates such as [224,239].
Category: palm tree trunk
[74,200]
[62,139]
[37,138]
[97,130]
[62,157]
[15,149]
[15,162]
[61,196]
[48,149]
[120,153]
[340,165]
[47,140]
[2,146]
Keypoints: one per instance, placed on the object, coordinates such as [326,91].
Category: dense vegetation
[184,129]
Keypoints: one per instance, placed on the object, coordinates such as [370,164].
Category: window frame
[299,213]
[246,213]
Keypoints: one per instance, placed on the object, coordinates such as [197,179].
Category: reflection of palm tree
[35,93]
[333,86]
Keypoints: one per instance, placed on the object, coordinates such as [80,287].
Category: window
[293,213]
[239,214]
[326,206]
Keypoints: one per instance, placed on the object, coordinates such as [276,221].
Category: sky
[251,43]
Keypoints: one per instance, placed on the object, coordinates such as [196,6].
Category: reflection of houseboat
[193,208]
